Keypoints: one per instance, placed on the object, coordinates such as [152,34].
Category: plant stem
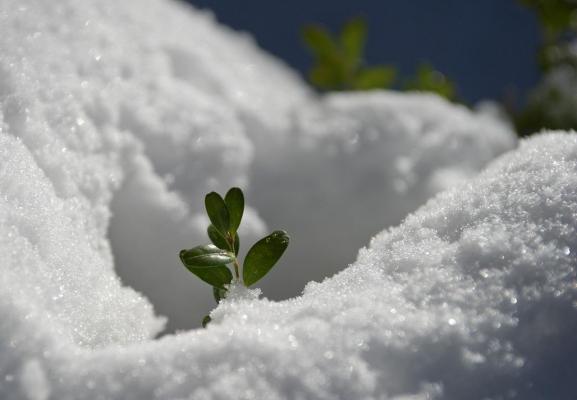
[236,268]
[230,240]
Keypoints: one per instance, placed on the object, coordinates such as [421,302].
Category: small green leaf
[217,238]
[206,320]
[216,276]
[353,37]
[263,255]
[236,244]
[234,201]
[320,42]
[205,256]
[218,293]
[206,262]
[217,212]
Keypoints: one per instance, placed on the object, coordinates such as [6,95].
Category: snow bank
[132,120]
[473,296]
[115,123]
[116,110]
[358,162]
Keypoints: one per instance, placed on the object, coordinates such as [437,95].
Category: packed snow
[117,117]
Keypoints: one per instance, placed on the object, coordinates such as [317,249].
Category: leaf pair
[225,214]
[208,262]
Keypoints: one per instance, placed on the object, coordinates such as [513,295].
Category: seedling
[210,262]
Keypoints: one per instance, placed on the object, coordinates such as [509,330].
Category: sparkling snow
[117,117]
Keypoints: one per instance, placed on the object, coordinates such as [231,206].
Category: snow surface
[134,121]
[117,117]
[473,296]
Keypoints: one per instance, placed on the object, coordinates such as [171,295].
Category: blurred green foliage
[339,63]
[550,105]
[555,16]
[558,20]
[428,79]
[339,59]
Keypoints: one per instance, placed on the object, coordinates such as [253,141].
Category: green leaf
[234,201]
[206,256]
[353,38]
[263,255]
[206,262]
[217,238]
[216,276]
[217,212]
[218,293]
[374,78]
[206,320]
[320,42]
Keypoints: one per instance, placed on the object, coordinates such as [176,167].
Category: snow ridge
[473,296]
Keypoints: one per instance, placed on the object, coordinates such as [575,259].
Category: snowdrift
[133,120]
[115,123]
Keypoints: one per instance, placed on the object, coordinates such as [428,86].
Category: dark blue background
[488,47]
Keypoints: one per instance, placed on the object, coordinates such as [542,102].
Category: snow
[358,163]
[137,122]
[115,123]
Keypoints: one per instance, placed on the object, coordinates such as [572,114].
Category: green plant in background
[209,262]
[428,79]
[558,21]
[550,104]
[339,61]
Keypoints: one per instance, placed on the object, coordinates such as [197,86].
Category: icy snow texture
[357,163]
[474,296]
[117,117]
[135,109]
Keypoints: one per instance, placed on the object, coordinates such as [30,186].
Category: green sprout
[209,262]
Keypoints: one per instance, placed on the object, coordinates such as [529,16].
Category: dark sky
[487,46]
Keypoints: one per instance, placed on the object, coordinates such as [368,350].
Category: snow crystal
[115,123]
